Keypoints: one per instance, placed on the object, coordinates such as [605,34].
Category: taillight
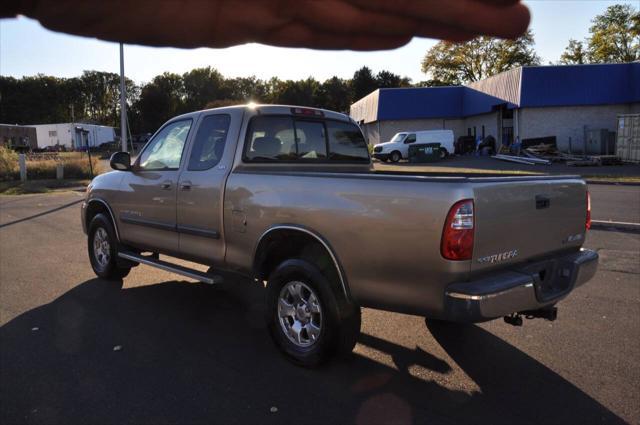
[588,222]
[457,236]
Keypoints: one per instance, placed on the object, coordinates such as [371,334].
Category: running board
[173,268]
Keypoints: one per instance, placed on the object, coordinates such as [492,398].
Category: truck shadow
[179,352]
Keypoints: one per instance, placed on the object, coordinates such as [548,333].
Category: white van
[398,147]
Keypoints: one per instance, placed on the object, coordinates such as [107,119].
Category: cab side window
[164,152]
[208,145]
[346,142]
[410,139]
[271,139]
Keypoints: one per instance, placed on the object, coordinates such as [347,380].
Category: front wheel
[443,153]
[395,156]
[307,321]
[102,247]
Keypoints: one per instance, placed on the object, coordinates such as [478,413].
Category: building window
[53,134]
[483,132]
[469,131]
[474,132]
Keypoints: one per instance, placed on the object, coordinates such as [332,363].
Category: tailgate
[520,220]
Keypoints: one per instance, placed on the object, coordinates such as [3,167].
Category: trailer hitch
[514,319]
[548,313]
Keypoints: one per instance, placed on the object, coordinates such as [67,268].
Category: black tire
[395,156]
[106,267]
[443,153]
[340,319]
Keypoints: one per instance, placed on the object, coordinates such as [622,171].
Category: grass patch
[38,186]
[76,165]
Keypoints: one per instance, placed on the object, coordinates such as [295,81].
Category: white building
[560,103]
[73,135]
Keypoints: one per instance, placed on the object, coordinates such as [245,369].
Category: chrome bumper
[530,287]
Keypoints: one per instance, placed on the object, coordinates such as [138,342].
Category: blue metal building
[526,103]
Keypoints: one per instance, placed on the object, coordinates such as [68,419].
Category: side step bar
[173,268]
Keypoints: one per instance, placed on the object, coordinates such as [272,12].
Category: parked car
[398,147]
[287,196]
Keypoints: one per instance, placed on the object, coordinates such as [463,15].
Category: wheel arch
[97,206]
[263,262]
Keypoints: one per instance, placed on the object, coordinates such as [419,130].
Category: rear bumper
[531,287]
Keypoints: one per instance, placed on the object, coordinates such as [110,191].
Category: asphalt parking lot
[190,353]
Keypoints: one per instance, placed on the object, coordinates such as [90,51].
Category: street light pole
[123,103]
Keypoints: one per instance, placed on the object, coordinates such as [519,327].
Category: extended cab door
[201,186]
[146,206]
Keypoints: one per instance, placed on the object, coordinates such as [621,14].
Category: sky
[26,48]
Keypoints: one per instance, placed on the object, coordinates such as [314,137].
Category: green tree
[574,54]
[615,35]
[387,80]
[363,83]
[101,93]
[246,89]
[289,92]
[201,86]
[430,83]
[160,100]
[334,94]
[459,63]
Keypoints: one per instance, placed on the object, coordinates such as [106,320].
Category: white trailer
[73,135]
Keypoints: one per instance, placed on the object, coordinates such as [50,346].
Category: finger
[222,27]
[497,18]
[300,35]
[340,17]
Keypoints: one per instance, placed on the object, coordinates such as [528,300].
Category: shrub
[75,167]
[8,164]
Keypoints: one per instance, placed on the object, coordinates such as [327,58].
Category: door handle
[185,185]
[166,185]
[542,202]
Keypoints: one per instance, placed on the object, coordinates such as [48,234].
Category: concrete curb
[615,225]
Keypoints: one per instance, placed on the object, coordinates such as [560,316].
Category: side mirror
[121,161]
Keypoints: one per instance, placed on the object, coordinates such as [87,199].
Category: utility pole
[73,126]
[123,103]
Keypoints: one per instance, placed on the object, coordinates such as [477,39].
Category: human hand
[318,24]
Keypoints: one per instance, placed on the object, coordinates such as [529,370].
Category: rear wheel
[395,156]
[307,321]
[443,153]
[102,247]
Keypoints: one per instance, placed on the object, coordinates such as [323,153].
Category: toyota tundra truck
[288,197]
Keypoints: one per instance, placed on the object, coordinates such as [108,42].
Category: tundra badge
[496,258]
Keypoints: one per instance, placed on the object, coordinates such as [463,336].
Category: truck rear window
[289,139]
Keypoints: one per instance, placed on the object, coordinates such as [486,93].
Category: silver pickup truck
[288,196]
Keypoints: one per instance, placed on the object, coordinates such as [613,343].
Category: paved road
[198,354]
[615,203]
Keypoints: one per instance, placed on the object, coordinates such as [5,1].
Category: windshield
[398,138]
